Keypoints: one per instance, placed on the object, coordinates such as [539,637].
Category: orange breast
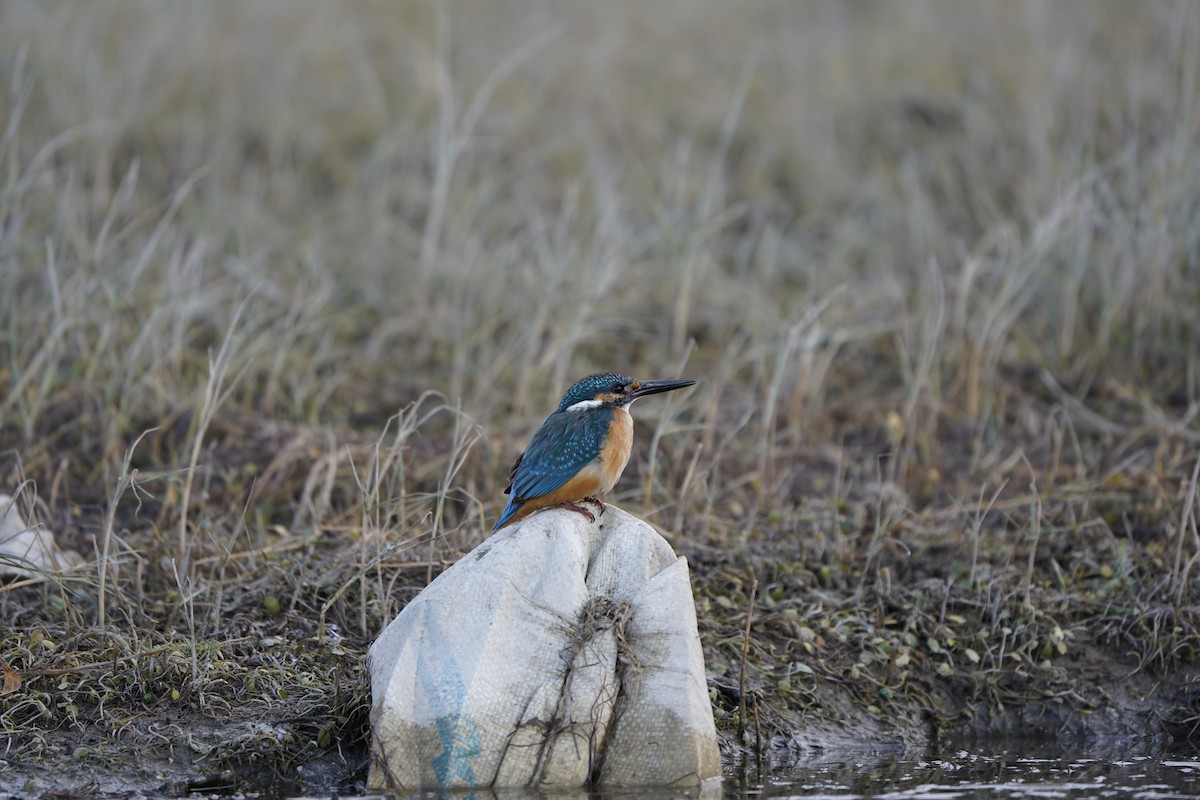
[617,448]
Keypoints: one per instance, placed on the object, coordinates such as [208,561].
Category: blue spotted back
[566,443]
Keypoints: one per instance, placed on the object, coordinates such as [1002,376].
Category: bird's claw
[581,510]
[599,503]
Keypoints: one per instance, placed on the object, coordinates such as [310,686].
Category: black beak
[655,387]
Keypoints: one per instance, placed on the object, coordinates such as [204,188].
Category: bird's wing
[566,443]
[512,472]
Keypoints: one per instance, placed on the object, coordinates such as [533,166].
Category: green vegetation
[285,287]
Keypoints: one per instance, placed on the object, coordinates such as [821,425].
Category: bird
[581,449]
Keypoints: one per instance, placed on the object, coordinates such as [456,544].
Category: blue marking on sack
[445,692]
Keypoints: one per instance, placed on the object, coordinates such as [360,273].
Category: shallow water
[998,769]
[988,770]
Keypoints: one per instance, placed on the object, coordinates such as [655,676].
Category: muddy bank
[189,754]
[1108,703]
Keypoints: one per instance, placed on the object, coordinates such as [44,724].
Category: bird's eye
[619,388]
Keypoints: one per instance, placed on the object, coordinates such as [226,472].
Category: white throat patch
[584,405]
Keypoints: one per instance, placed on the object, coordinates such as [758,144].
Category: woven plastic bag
[557,653]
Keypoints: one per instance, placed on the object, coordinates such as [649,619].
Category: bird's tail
[509,511]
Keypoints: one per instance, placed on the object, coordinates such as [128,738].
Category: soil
[184,753]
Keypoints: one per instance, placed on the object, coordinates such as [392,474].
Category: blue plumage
[566,443]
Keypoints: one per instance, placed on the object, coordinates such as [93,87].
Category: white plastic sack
[28,550]
[557,653]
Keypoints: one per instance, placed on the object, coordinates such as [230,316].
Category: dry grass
[287,285]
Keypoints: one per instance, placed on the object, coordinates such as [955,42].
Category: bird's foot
[580,510]
[599,503]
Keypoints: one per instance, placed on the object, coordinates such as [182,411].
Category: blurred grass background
[933,263]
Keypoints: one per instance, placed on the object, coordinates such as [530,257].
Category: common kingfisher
[581,449]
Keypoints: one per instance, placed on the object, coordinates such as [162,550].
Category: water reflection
[712,791]
[1007,770]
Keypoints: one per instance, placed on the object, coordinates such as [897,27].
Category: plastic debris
[557,653]
[28,550]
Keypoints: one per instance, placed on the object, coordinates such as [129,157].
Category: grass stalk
[214,394]
[1187,517]
[742,706]
[125,479]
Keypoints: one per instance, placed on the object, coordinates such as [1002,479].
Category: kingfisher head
[608,389]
